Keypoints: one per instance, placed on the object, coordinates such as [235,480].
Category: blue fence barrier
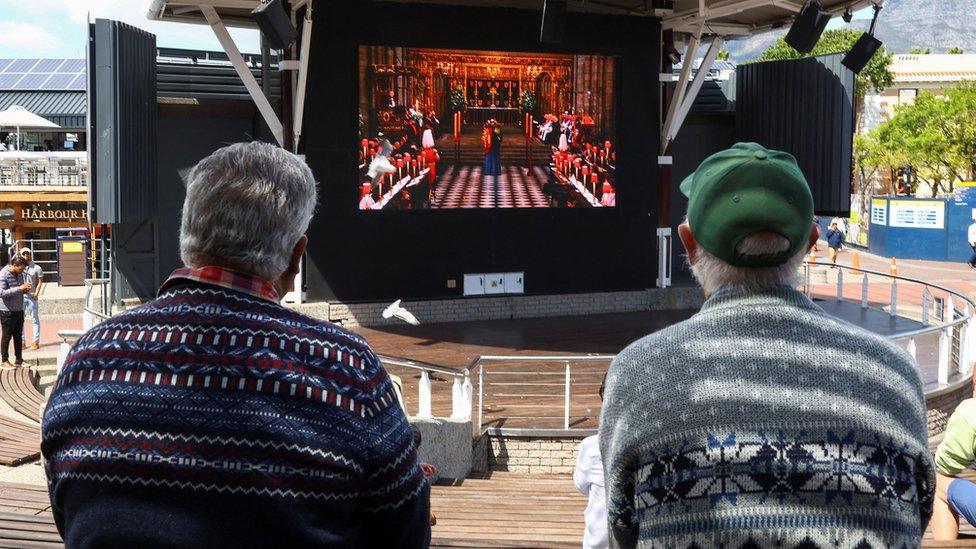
[933,229]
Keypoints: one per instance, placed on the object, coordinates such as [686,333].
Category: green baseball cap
[745,190]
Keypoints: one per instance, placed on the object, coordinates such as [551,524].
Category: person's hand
[428,469]
[25,287]
[433,519]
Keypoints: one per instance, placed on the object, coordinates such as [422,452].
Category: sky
[56,28]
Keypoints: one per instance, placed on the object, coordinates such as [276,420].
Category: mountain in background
[902,25]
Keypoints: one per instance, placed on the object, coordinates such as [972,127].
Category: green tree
[723,55]
[876,75]
[934,135]
[920,51]
[955,50]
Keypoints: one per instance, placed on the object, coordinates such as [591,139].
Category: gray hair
[246,206]
[713,273]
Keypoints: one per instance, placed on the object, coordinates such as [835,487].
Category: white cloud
[133,12]
[19,36]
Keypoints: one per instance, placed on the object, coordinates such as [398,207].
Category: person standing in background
[12,290]
[33,275]
[588,479]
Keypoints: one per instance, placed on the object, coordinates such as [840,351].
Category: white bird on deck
[395,310]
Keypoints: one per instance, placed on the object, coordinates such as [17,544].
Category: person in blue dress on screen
[491,138]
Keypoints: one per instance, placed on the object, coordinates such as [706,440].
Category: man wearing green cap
[762,421]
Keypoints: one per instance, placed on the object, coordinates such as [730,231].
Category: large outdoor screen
[443,129]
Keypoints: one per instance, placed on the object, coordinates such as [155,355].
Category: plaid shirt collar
[224,278]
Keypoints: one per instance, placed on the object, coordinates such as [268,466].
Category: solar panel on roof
[59,82]
[22,65]
[31,82]
[72,65]
[4,63]
[8,80]
[47,65]
[79,83]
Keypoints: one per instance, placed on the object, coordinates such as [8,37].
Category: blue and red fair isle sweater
[214,417]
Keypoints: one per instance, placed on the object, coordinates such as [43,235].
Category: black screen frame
[356,256]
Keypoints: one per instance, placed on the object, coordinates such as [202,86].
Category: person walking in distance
[835,238]
[12,290]
[33,275]
[972,243]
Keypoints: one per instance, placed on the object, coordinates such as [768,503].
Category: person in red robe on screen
[431,157]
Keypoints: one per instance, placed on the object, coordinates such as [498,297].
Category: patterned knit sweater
[213,417]
[762,421]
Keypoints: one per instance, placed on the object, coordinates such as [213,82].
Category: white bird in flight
[395,310]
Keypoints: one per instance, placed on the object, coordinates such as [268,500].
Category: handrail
[921,331]
[960,322]
[423,366]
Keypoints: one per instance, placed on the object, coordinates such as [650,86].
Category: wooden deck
[18,388]
[508,510]
[20,441]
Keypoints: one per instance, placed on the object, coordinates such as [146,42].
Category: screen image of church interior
[442,129]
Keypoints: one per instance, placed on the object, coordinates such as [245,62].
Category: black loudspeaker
[861,52]
[553,21]
[275,24]
[807,27]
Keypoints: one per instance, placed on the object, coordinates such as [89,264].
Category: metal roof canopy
[719,19]
[219,14]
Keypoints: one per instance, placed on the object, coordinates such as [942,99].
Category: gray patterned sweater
[762,421]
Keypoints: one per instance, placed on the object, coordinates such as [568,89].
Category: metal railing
[44,169]
[954,327]
[541,398]
[93,313]
[522,400]
[44,252]
[461,388]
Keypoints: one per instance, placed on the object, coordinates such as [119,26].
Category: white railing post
[970,336]
[912,350]
[840,284]
[457,400]
[894,297]
[664,257]
[944,357]
[423,404]
[926,306]
[806,278]
[566,407]
[481,393]
[864,291]
[467,390]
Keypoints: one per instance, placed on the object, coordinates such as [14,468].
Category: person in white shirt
[972,244]
[588,479]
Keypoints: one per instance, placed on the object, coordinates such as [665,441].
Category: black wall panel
[804,107]
[122,62]
[357,255]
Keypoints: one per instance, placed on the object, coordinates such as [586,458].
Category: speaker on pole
[861,52]
[553,21]
[807,27]
[275,24]
[864,48]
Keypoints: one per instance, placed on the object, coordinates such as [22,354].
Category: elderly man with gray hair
[762,421]
[214,417]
